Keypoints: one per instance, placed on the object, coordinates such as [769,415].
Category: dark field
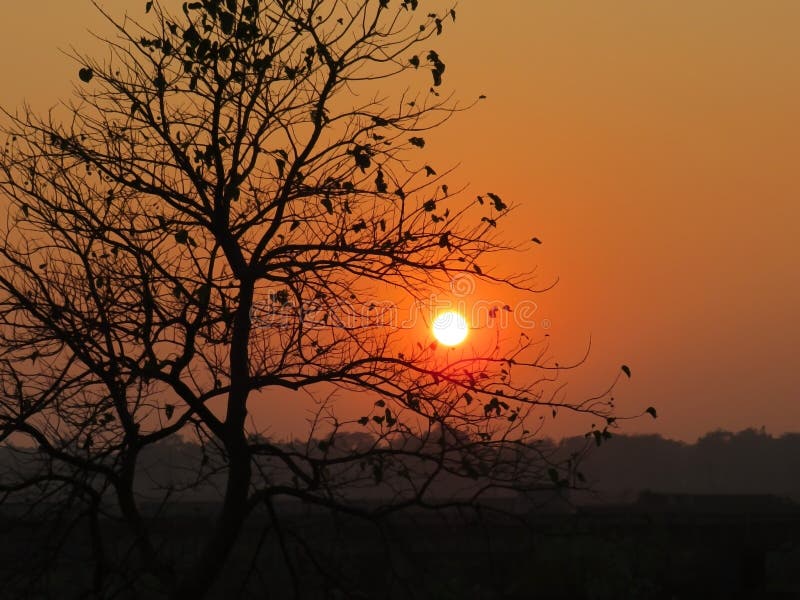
[634,551]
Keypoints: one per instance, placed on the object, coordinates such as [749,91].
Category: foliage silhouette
[230,169]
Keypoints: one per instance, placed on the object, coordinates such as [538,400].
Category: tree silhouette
[209,225]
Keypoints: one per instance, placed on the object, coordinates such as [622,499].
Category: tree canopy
[212,220]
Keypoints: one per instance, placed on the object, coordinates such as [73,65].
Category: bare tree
[209,225]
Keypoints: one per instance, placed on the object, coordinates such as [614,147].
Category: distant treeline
[720,462]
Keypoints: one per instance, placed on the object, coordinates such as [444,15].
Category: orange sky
[653,147]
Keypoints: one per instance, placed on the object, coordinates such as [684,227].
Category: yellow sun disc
[450,328]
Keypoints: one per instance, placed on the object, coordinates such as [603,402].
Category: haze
[653,148]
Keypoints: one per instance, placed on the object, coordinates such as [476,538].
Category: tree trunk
[202,575]
[197,581]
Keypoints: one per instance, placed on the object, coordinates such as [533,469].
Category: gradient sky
[652,146]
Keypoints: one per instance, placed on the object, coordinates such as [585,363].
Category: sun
[450,328]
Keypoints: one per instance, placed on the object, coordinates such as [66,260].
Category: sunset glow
[391,298]
[450,328]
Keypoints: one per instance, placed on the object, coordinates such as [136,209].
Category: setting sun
[450,328]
